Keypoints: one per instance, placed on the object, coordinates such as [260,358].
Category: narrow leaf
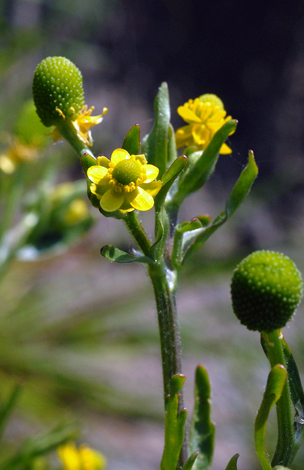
[171,152]
[174,426]
[274,388]
[156,142]
[168,179]
[8,407]
[202,430]
[189,463]
[237,196]
[112,253]
[131,142]
[204,166]
[232,462]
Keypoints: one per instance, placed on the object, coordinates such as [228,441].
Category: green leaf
[274,388]
[174,426]
[232,462]
[237,196]
[202,430]
[190,461]
[40,445]
[131,142]
[294,381]
[8,407]
[172,153]
[202,164]
[119,256]
[156,143]
[168,179]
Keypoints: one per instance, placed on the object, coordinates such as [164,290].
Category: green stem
[137,231]
[170,343]
[68,131]
[286,445]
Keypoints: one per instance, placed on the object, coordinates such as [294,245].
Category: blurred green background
[81,332]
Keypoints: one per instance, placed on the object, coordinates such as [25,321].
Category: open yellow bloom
[205,115]
[125,183]
[82,124]
[83,458]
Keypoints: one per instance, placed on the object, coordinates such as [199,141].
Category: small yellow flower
[125,183]
[83,458]
[15,154]
[82,124]
[205,115]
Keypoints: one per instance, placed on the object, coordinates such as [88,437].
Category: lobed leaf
[202,430]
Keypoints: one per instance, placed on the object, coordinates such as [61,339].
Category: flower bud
[266,289]
[57,90]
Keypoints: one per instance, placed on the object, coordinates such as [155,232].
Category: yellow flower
[82,124]
[205,115]
[82,458]
[15,154]
[125,183]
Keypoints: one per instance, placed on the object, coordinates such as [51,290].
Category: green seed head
[57,85]
[127,171]
[266,289]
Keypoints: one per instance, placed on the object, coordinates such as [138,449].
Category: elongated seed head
[57,90]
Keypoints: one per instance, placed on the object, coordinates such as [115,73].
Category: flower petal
[151,173]
[111,200]
[225,150]
[95,173]
[118,155]
[183,136]
[143,200]
[151,188]
[103,161]
[188,115]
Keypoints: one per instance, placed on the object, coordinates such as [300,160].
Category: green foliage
[274,388]
[202,431]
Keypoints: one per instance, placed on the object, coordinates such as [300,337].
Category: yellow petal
[111,200]
[103,161]
[225,150]
[183,136]
[143,200]
[188,115]
[151,173]
[95,173]
[152,188]
[118,155]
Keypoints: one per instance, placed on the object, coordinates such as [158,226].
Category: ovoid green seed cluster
[266,290]
[57,85]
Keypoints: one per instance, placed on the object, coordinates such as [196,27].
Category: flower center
[127,171]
